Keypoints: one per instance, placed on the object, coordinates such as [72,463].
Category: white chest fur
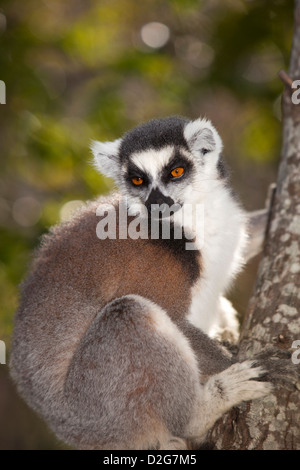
[223,239]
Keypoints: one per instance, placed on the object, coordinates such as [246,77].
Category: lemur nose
[156,197]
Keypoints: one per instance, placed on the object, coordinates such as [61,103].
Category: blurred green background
[78,70]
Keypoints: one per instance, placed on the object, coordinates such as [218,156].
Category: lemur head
[164,161]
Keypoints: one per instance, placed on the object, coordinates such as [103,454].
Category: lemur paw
[227,336]
[240,382]
[226,329]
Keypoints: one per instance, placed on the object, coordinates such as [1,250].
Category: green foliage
[76,70]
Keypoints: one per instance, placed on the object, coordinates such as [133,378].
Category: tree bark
[272,322]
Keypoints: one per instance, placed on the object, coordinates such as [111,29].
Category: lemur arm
[212,357]
[258,222]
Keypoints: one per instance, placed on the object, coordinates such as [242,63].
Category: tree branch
[285,78]
[273,321]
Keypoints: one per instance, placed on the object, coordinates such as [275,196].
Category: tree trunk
[272,323]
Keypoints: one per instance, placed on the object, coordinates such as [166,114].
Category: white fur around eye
[153,161]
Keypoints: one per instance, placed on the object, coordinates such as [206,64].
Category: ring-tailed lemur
[111,341]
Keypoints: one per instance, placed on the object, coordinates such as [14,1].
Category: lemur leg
[257,226]
[212,357]
[132,382]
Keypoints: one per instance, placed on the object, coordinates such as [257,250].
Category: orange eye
[137,180]
[177,172]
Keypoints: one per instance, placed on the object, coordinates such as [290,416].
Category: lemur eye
[177,172]
[137,180]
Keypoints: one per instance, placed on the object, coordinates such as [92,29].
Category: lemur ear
[106,157]
[202,137]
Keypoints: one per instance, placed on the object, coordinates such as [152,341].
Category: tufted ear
[106,157]
[202,137]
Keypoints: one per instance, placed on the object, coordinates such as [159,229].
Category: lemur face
[158,176]
[163,162]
